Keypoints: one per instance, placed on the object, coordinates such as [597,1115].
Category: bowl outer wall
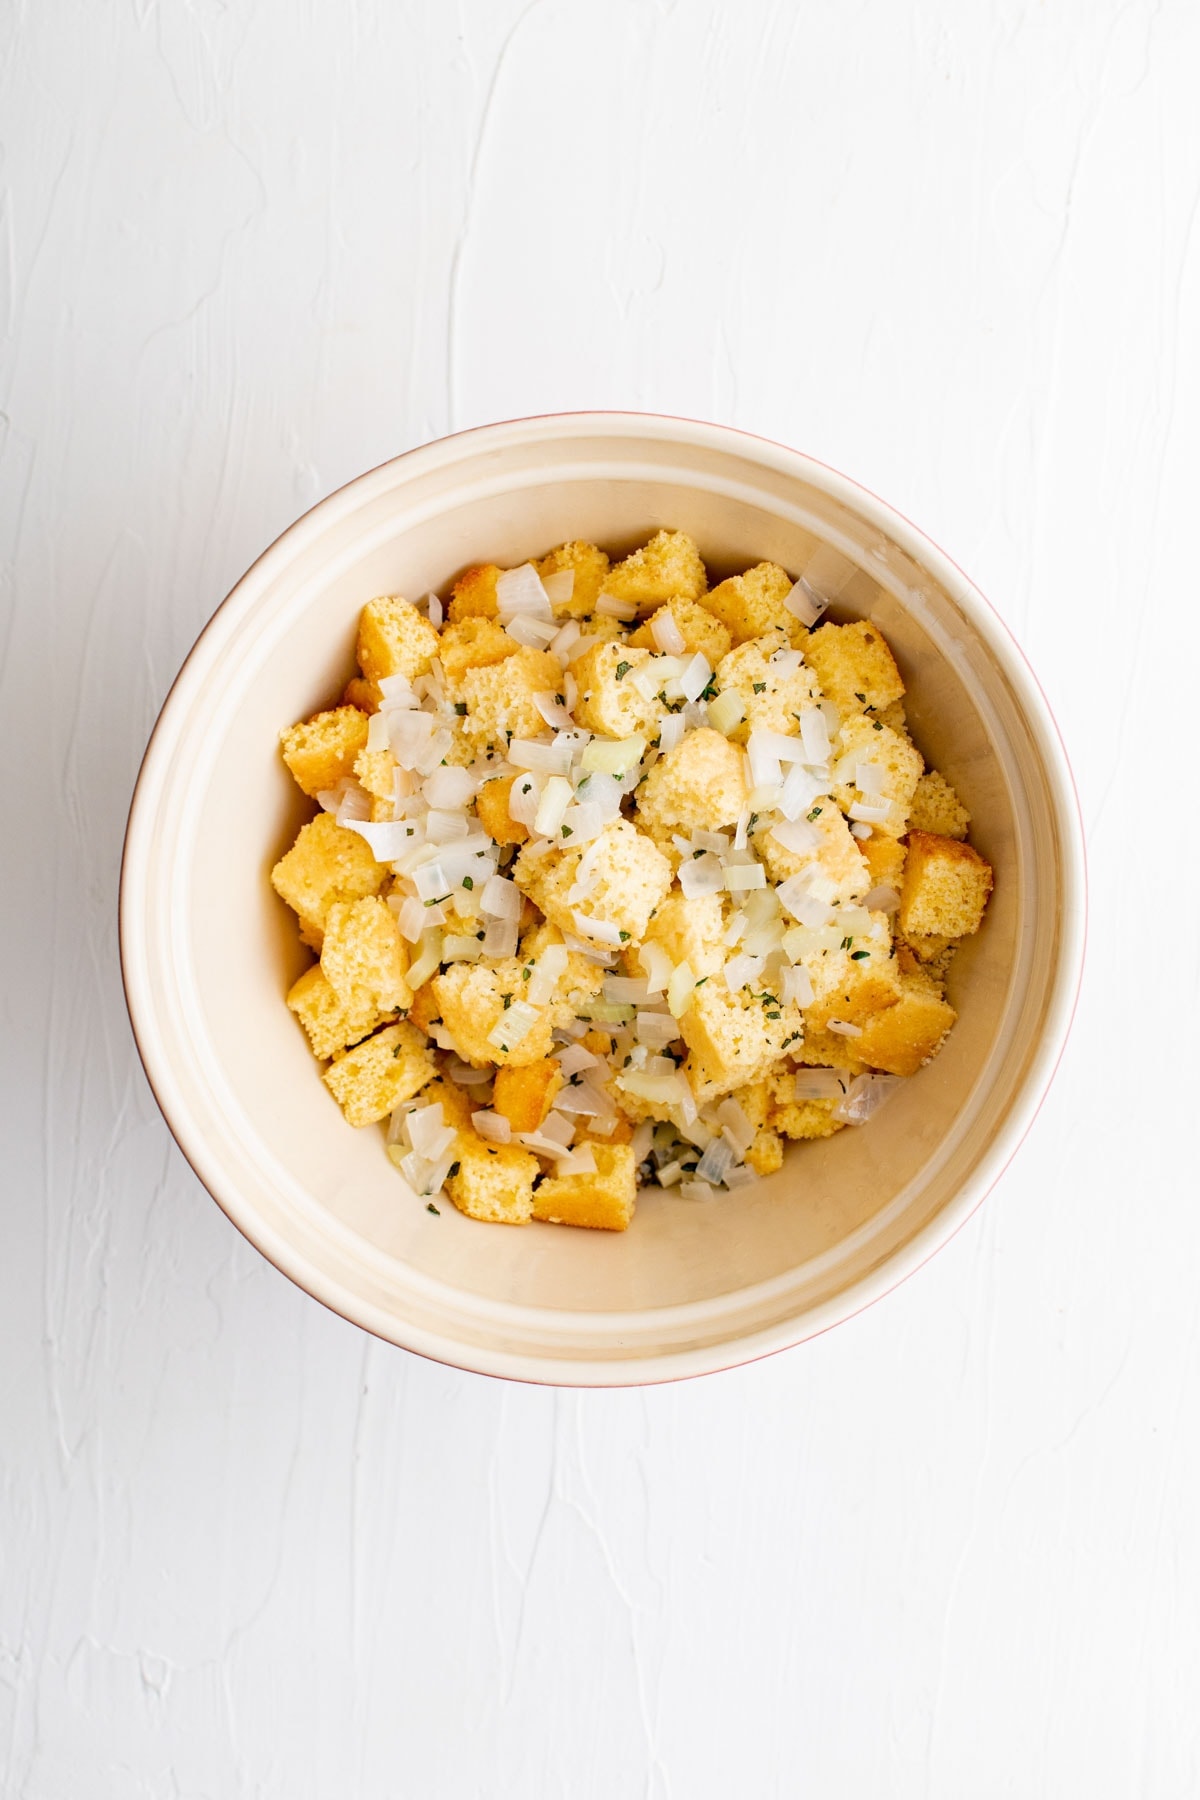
[551,1362]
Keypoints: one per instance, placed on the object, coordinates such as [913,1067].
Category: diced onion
[377,732]
[794,893]
[412,916]
[736,1128]
[669,1173]
[697,1190]
[574,1059]
[797,986]
[386,841]
[655,1029]
[556,797]
[681,989]
[741,969]
[666,633]
[819,1084]
[860,831]
[670,732]
[545,759]
[519,593]
[428,1131]
[428,962]
[582,824]
[869,777]
[657,966]
[866,1095]
[459,947]
[800,789]
[625,989]
[548,971]
[743,876]
[449,787]
[524,798]
[696,677]
[871,813]
[764,764]
[492,1126]
[612,608]
[764,799]
[446,827]
[726,711]
[804,604]
[559,587]
[434,610]
[701,875]
[563,642]
[396,690]
[843,1028]
[513,1025]
[797,835]
[882,899]
[554,712]
[501,899]
[611,756]
[814,735]
[715,1161]
[580,1161]
[500,938]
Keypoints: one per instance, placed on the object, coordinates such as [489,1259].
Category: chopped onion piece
[732,933]
[599,788]
[709,840]
[428,1132]
[519,593]
[492,1126]
[585,1101]
[434,610]
[459,947]
[736,1127]
[513,1025]
[843,1028]
[548,971]
[656,1029]
[385,841]
[743,876]
[581,645]
[559,587]
[851,920]
[501,898]
[797,987]
[860,831]
[667,1090]
[714,1162]
[697,1190]
[556,797]
[742,833]
[582,824]
[814,735]
[804,604]
[764,799]
[564,641]
[625,989]
[797,835]
[500,938]
[428,962]
[641,1140]
[657,966]
[574,1059]
[446,827]
[764,764]
[869,777]
[545,759]
[726,711]
[741,969]
[669,1174]
[696,676]
[412,916]
[449,787]
[524,798]
[871,813]
[666,633]
[554,711]
[465,1075]
[670,732]
[819,1084]
[785,662]
[701,875]
[882,899]
[396,690]
[580,1161]
[800,789]
[377,732]
[611,756]
[598,929]
[794,893]
[681,989]
[866,1095]
[612,608]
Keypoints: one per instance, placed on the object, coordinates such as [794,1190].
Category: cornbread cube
[936,808]
[425,1009]
[363,956]
[946,887]
[603,1201]
[837,854]
[321,751]
[491,805]
[474,643]
[805,1119]
[626,877]
[884,857]
[457,1105]
[668,565]
[771,695]
[909,1034]
[326,864]
[765,1155]
[864,740]
[855,667]
[589,565]
[702,634]
[499,697]
[851,983]
[375,770]
[827,1050]
[365,695]
[493,1182]
[583,978]
[371,1080]
[525,1095]
[608,702]
[473,998]
[330,1021]
[473,595]
[394,639]
[755,1101]
[699,785]
[735,1038]
[752,605]
[690,931]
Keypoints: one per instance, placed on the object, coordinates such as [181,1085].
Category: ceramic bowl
[208,951]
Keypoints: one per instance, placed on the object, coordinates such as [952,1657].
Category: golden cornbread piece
[330,1021]
[365,695]
[474,643]
[937,808]
[751,605]
[321,751]
[473,595]
[772,695]
[375,770]
[394,639]
[855,666]
[884,857]
[668,565]
[457,1105]
[326,864]
[737,1037]
[499,698]
[371,1080]
[765,1155]
[627,877]
[609,703]
[863,740]
[363,956]
[690,931]
[946,887]
[837,854]
[491,806]
[603,1201]
[699,785]
[472,999]
[905,1037]
[588,564]
[859,978]
[493,1182]
[702,633]
[805,1119]
[525,1096]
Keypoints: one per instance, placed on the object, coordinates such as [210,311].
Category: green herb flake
[623,669]
[468,882]
[861,697]
[846,943]
[526,972]
[760,687]
[876,724]
[814,814]
[507,999]
[460,707]
[568,831]
[859,955]
[774,1015]
[624,936]
[430,1207]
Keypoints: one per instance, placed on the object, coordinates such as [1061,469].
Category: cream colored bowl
[208,951]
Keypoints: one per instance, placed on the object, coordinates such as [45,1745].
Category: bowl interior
[210,951]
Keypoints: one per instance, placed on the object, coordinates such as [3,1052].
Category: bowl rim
[561,1370]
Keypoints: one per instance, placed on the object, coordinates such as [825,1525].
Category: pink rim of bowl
[684,1292]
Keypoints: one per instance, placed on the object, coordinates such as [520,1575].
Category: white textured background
[952,1550]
